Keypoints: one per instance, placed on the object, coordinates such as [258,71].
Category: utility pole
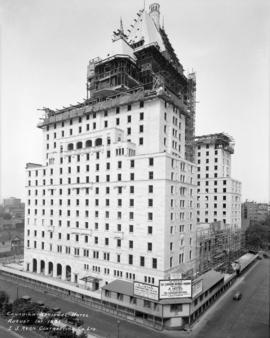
[118,325]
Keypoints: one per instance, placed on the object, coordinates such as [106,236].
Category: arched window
[70,146]
[88,143]
[98,142]
[79,145]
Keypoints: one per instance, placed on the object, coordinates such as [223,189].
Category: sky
[45,47]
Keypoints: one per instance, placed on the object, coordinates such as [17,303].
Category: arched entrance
[59,270]
[68,273]
[42,266]
[50,269]
[34,265]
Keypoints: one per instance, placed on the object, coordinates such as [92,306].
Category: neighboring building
[14,207]
[11,223]
[11,243]
[11,202]
[219,196]
[253,212]
[116,196]
[12,215]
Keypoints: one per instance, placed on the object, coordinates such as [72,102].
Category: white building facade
[116,195]
[219,195]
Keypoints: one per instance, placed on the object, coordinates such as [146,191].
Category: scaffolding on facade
[218,246]
[220,140]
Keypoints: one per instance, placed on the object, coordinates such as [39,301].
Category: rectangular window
[154,263]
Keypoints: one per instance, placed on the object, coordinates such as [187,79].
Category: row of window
[79,213]
[94,127]
[77,180]
[207,168]
[94,115]
[96,239]
[119,202]
[87,167]
[95,254]
[207,160]
[215,190]
[215,182]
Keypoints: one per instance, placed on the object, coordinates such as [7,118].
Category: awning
[90,279]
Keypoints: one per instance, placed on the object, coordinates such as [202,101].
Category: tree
[28,309]
[66,333]
[4,298]
[258,235]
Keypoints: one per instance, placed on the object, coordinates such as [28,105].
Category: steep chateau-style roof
[145,29]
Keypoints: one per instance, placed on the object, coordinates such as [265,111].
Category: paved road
[97,322]
[247,318]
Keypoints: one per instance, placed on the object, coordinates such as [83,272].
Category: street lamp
[118,325]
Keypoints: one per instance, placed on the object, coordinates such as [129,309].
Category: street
[247,318]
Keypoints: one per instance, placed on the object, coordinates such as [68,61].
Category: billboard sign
[174,288]
[145,290]
[197,288]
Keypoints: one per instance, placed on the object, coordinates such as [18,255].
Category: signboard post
[174,288]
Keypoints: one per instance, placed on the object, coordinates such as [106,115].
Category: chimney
[155,14]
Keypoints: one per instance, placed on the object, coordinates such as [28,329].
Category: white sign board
[174,288]
[196,288]
[145,290]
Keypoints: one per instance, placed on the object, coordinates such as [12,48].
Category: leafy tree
[28,309]
[66,333]
[258,235]
[6,307]
[4,298]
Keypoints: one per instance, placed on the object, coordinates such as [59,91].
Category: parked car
[73,319]
[237,296]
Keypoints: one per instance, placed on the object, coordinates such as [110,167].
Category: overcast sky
[46,45]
